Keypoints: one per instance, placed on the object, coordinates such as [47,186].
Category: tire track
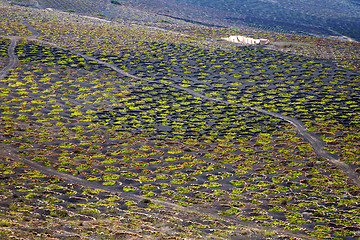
[13,59]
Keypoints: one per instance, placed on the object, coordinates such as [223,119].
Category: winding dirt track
[13,59]
[316,143]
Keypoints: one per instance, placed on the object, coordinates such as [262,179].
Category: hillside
[118,122]
[317,18]
[322,18]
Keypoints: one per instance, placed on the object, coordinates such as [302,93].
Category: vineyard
[122,130]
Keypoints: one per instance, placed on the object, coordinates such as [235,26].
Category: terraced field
[175,140]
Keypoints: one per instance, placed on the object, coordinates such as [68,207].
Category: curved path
[13,59]
[35,34]
[317,144]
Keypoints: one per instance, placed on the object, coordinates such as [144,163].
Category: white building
[246,40]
